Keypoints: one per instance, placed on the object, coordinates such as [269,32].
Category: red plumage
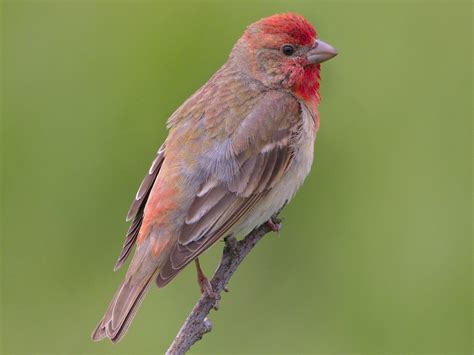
[237,151]
[294,26]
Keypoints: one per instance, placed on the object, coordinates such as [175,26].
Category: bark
[197,323]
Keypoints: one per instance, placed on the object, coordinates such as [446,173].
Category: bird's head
[283,51]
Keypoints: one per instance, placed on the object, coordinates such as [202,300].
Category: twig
[197,324]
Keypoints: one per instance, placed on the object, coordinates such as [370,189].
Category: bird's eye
[288,49]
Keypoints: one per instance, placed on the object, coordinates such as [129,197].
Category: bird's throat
[306,88]
[307,84]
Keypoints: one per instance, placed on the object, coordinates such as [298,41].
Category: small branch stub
[197,324]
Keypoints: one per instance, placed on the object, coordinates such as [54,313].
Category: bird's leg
[274,226]
[205,285]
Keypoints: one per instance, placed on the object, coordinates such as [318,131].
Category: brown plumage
[237,151]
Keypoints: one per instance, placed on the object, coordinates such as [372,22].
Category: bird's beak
[320,52]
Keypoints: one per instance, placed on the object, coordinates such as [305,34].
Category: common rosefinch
[236,152]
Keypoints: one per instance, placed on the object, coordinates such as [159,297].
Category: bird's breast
[304,150]
[297,172]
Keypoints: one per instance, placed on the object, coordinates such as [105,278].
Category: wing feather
[135,213]
[263,157]
[181,257]
[203,204]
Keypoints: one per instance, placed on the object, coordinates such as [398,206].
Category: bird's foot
[231,246]
[274,226]
[206,287]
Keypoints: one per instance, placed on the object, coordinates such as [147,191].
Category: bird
[237,150]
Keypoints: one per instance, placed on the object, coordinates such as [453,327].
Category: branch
[197,324]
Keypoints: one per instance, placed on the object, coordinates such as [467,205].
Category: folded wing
[262,147]
[135,213]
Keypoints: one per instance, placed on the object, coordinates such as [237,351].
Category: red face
[282,45]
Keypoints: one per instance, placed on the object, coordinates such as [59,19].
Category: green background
[375,252]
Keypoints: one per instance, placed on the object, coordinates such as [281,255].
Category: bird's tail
[123,307]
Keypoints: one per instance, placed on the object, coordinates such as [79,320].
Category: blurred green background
[375,252]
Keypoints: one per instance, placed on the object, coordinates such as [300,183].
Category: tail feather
[122,309]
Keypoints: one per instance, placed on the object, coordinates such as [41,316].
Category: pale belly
[284,191]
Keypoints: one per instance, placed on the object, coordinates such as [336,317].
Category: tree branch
[197,324]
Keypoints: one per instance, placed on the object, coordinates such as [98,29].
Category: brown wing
[263,158]
[135,213]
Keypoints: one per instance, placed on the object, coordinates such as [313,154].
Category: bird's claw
[231,245]
[208,291]
[274,226]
